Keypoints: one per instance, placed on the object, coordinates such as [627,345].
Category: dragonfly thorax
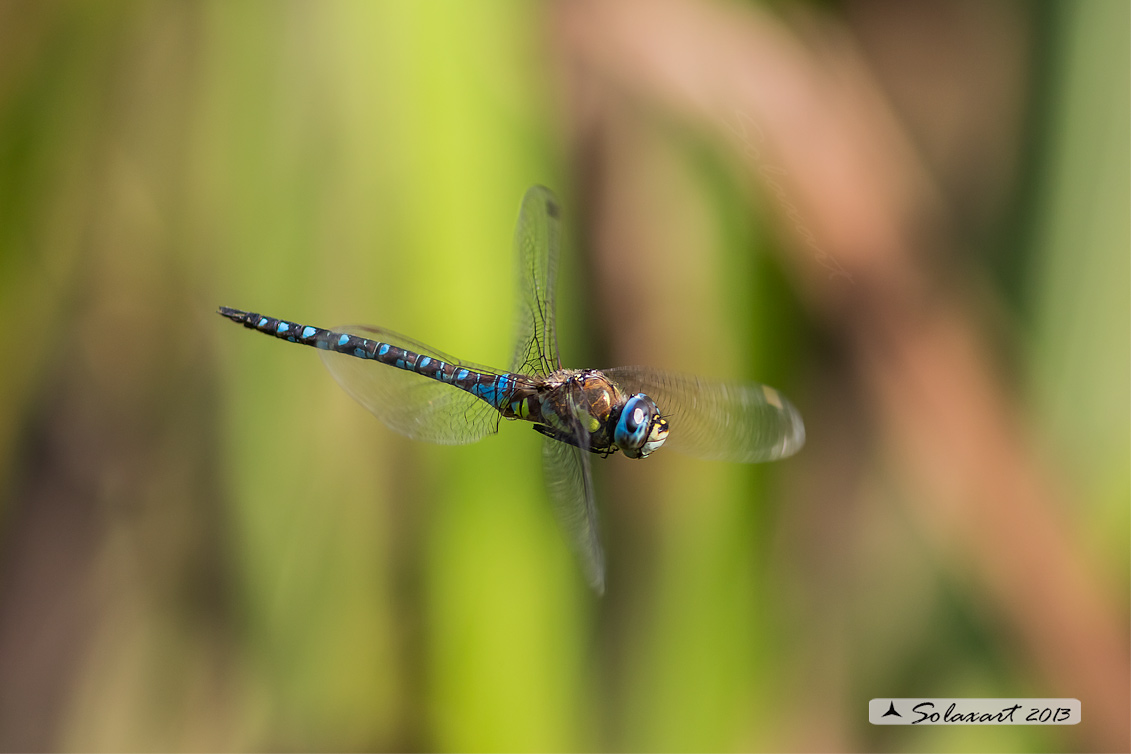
[577,402]
[584,407]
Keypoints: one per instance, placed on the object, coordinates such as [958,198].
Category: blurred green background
[205,545]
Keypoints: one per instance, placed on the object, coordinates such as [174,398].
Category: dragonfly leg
[569,439]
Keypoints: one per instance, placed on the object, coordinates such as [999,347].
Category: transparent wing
[536,241]
[416,406]
[724,421]
[570,484]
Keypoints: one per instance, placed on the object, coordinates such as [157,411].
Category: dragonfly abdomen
[495,389]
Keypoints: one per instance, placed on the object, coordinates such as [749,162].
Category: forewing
[416,406]
[570,484]
[725,421]
[536,242]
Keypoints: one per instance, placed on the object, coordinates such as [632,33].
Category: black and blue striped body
[504,392]
[574,406]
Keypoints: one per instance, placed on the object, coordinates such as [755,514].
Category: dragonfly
[582,414]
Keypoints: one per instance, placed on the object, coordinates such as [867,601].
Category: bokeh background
[910,217]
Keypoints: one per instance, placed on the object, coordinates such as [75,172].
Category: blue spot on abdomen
[487,391]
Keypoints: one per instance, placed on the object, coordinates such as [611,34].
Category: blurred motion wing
[570,484]
[536,242]
[721,421]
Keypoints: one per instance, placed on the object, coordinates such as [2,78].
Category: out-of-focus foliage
[204,544]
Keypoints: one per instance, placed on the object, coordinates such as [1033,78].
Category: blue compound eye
[640,429]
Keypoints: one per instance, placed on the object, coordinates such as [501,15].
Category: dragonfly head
[640,428]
